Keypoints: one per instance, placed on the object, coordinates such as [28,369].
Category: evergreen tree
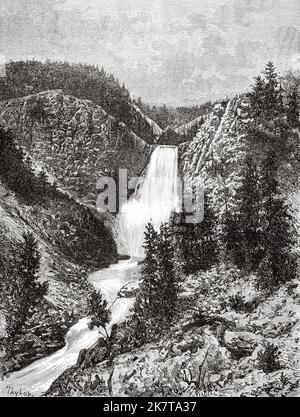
[273,97]
[33,290]
[199,242]
[176,230]
[266,96]
[149,269]
[292,99]
[249,251]
[26,291]
[258,96]
[144,315]
[168,288]
[277,229]
[155,306]
[229,237]
[293,109]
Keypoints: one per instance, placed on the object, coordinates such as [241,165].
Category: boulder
[241,344]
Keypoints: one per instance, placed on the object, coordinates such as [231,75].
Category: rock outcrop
[74,140]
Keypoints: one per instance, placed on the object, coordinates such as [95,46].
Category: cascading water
[154,199]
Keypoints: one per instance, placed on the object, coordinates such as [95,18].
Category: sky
[179,52]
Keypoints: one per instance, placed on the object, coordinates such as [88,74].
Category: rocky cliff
[74,140]
[216,155]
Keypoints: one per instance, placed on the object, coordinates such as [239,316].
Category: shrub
[237,303]
[98,311]
[268,359]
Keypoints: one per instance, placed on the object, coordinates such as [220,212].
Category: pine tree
[176,229]
[168,287]
[258,96]
[144,309]
[26,291]
[249,251]
[273,98]
[293,106]
[155,306]
[266,96]
[229,237]
[277,228]
[149,269]
[33,290]
[199,242]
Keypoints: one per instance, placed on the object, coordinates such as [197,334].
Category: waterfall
[156,196]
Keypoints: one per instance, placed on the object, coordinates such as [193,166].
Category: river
[37,377]
[154,199]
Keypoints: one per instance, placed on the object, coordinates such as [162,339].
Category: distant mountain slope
[169,117]
[74,140]
[193,124]
[83,81]
[156,129]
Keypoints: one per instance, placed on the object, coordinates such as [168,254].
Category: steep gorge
[69,143]
[215,348]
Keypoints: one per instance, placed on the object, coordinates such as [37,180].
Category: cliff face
[68,290]
[216,154]
[74,140]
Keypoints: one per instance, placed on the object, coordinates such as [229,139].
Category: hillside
[65,274]
[73,140]
[23,78]
[71,241]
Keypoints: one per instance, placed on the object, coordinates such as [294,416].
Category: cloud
[175,51]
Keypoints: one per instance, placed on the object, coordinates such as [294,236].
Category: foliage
[198,242]
[187,119]
[261,234]
[155,306]
[278,233]
[16,173]
[98,311]
[268,359]
[291,98]
[238,303]
[266,96]
[24,292]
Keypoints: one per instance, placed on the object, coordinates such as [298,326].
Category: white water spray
[154,200]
